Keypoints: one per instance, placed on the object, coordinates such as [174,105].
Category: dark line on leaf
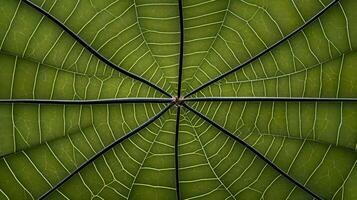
[97,101]
[264,51]
[179,83]
[181,49]
[176,152]
[92,50]
[107,148]
[256,152]
[297,99]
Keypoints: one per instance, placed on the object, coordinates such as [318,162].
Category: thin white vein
[208,162]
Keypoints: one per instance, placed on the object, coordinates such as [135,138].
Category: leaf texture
[178,99]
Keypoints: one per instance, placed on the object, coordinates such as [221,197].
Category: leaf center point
[178,101]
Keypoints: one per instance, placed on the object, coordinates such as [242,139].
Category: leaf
[166,99]
[303,139]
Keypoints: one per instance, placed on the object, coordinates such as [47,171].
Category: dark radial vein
[176,153]
[256,152]
[264,51]
[92,50]
[181,49]
[178,97]
[99,101]
[295,99]
[107,148]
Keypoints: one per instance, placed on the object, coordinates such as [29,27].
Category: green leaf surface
[314,142]
[178,99]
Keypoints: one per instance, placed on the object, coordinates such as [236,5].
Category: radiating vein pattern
[67,51]
[23,78]
[178,99]
[248,29]
[140,166]
[314,60]
[309,144]
[215,166]
[25,126]
[50,160]
[125,36]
